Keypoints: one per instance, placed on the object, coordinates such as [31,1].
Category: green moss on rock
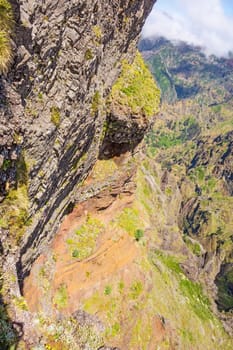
[14,212]
[55,116]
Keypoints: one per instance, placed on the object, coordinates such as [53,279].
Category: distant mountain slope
[193,141]
[183,71]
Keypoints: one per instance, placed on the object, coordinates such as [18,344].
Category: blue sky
[208,23]
[228,6]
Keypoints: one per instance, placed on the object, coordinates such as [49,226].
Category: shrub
[98,32]
[8,336]
[138,234]
[75,253]
[95,102]
[61,297]
[136,289]
[55,116]
[88,55]
[6,15]
[107,290]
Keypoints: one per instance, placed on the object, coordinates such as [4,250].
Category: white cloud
[198,22]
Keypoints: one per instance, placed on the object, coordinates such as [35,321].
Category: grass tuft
[6,27]
[55,116]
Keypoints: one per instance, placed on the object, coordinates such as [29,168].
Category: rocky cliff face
[67,55]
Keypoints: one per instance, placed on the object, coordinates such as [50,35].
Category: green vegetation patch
[145,193]
[138,234]
[198,301]
[136,289]
[173,134]
[6,26]
[61,297]
[113,331]
[88,55]
[203,177]
[216,108]
[136,89]
[20,303]
[193,246]
[198,174]
[55,116]
[129,220]
[162,77]
[187,336]
[14,212]
[96,101]
[83,241]
[8,335]
[108,290]
[141,333]
[168,260]
[102,302]
[6,164]
[164,140]
[98,33]
[6,15]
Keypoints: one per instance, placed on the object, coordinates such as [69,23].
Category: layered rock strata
[67,56]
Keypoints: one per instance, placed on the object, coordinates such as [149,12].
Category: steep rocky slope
[67,55]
